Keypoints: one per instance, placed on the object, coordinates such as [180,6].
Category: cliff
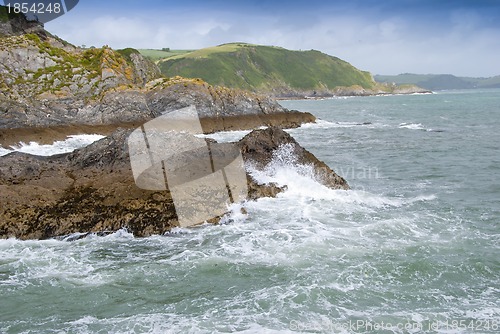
[273,70]
[50,88]
[47,83]
[16,24]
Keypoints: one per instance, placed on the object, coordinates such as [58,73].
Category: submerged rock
[92,190]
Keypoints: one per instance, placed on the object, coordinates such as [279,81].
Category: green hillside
[440,81]
[156,55]
[264,68]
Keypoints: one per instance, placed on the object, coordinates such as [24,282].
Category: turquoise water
[413,248]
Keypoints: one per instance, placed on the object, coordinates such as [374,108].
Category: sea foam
[58,147]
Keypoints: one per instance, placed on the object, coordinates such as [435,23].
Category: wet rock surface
[92,190]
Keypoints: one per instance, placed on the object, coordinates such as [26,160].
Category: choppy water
[414,247]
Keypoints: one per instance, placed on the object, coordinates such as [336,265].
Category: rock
[353,91]
[410,89]
[259,146]
[48,83]
[219,109]
[17,24]
[145,70]
[92,190]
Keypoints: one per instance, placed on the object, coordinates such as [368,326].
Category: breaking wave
[65,146]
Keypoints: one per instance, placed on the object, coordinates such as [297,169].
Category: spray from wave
[301,183]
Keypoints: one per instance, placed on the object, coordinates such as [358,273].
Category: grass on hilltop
[156,55]
[256,67]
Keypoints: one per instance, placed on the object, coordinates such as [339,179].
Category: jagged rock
[219,109]
[144,69]
[93,189]
[48,83]
[258,147]
[17,24]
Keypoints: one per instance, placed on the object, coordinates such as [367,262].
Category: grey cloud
[388,45]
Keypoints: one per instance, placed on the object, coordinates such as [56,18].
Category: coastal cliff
[50,89]
[275,71]
[47,83]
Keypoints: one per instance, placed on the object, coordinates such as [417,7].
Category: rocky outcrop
[42,67]
[46,83]
[259,146]
[12,24]
[219,109]
[131,105]
[93,189]
[380,89]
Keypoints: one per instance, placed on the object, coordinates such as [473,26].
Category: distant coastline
[440,81]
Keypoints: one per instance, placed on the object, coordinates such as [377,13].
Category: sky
[384,37]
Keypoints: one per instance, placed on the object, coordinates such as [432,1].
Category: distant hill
[267,69]
[156,55]
[440,81]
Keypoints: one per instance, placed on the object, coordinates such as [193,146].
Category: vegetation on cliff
[4,14]
[42,66]
[266,68]
[276,71]
[47,82]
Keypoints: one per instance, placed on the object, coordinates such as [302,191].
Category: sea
[413,247]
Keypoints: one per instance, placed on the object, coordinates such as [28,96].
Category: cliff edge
[47,83]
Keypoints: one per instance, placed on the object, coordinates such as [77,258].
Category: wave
[322,124]
[66,146]
[412,126]
[417,126]
[226,136]
[301,182]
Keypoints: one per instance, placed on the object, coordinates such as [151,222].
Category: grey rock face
[16,24]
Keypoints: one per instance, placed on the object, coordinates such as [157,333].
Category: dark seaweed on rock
[92,190]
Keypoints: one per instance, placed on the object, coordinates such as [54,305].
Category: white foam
[66,146]
[319,124]
[322,124]
[228,136]
[426,93]
[412,126]
[302,183]
[3,151]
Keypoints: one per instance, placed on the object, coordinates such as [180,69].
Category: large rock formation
[48,83]
[93,189]
[12,24]
[50,89]
[219,109]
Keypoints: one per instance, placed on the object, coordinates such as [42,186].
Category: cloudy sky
[460,37]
